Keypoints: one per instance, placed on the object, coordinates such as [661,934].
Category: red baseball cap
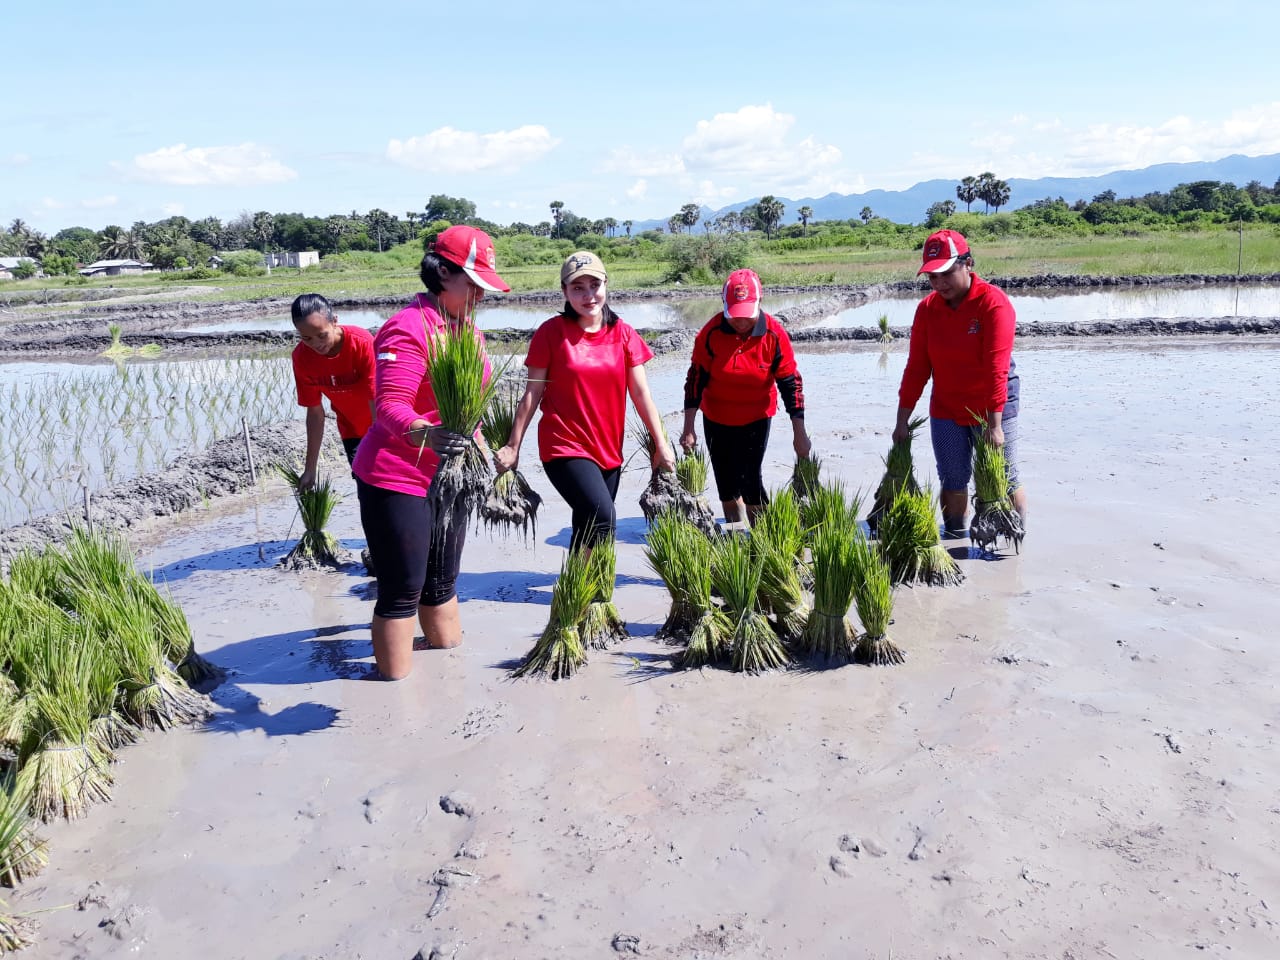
[941,251]
[471,249]
[742,294]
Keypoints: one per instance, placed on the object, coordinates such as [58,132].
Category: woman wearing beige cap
[582,366]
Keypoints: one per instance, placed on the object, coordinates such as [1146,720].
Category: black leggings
[414,568]
[590,490]
[737,456]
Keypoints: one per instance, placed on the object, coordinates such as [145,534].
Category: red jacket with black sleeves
[735,378]
[965,349]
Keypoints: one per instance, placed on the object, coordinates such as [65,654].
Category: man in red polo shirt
[333,362]
[742,360]
[962,338]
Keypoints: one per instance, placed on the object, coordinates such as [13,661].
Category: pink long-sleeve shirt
[387,458]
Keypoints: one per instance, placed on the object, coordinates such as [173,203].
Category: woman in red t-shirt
[582,366]
[742,359]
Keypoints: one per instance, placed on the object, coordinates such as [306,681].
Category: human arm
[638,389]
[917,373]
[695,382]
[791,387]
[998,332]
[401,367]
[508,456]
[315,440]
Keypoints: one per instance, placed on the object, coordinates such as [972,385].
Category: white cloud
[15,160]
[447,150]
[638,189]
[637,163]
[100,203]
[49,203]
[242,165]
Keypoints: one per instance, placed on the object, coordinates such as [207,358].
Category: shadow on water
[629,530]
[262,555]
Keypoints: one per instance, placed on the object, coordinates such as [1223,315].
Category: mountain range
[910,205]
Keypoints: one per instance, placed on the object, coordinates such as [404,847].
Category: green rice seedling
[22,853]
[117,348]
[559,652]
[692,469]
[735,573]
[62,768]
[910,542]
[456,367]
[679,554]
[805,476]
[601,623]
[778,536]
[511,502]
[828,635]
[993,513]
[829,505]
[316,547]
[873,596]
[886,335]
[899,474]
[176,638]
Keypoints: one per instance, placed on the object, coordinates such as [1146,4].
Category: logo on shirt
[387,356]
[975,326]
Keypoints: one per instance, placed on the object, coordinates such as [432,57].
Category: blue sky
[137,110]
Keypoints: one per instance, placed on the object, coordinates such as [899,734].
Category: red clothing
[346,380]
[734,377]
[584,404]
[966,350]
[386,457]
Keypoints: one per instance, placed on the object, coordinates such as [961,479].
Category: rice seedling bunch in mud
[886,335]
[559,652]
[909,539]
[15,932]
[735,573]
[666,491]
[511,503]
[316,547]
[777,536]
[805,476]
[464,390]
[828,635]
[829,505]
[680,554]
[873,597]
[899,474]
[22,852]
[602,624]
[62,767]
[993,513]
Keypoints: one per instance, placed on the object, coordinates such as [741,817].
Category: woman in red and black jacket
[742,360]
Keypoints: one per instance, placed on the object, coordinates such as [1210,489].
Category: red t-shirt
[584,404]
[347,380]
[738,373]
[966,350]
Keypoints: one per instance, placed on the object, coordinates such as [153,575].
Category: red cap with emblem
[472,250]
[941,250]
[742,294]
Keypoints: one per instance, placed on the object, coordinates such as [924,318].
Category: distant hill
[909,206]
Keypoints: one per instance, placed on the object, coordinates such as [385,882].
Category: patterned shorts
[953,451]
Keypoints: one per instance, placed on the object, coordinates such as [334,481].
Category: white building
[305,258]
[7,265]
[114,268]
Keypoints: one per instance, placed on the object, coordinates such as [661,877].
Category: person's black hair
[429,271]
[307,304]
[610,318]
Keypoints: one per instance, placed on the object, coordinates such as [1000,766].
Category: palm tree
[967,192]
[770,210]
[675,223]
[557,206]
[997,194]
[378,222]
[804,214]
[112,243]
[866,215]
[263,227]
[689,214]
[627,224]
[412,217]
[610,225]
[985,180]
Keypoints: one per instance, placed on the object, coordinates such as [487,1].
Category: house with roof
[114,268]
[300,259]
[9,264]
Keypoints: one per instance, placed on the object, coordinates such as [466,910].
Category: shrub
[706,259]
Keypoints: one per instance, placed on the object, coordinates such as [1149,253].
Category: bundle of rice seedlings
[316,547]
[805,476]
[175,635]
[15,932]
[601,623]
[692,469]
[559,652]
[456,368]
[778,537]
[873,595]
[667,491]
[828,634]
[910,542]
[681,555]
[899,474]
[62,768]
[511,503]
[735,573]
[886,335]
[22,853]
[993,513]
[830,504]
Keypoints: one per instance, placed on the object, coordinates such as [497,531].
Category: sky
[139,110]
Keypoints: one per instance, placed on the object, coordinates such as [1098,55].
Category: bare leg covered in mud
[393,639]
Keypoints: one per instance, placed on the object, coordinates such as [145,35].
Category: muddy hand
[445,442]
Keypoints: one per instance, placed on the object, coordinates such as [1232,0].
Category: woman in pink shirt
[395,463]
